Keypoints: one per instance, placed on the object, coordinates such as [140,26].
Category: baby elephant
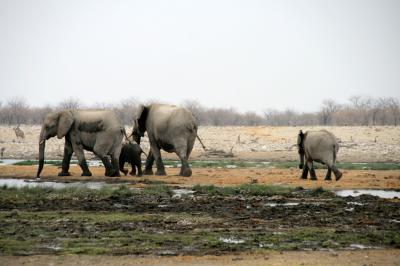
[130,153]
[320,146]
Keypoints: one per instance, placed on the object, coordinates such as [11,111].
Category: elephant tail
[143,152]
[334,154]
[204,147]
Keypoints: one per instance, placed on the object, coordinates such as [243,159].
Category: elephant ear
[141,118]
[65,121]
[300,141]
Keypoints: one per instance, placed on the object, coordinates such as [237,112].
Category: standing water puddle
[385,194]
[19,183]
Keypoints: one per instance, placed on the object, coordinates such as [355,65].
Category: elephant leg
[312,170]
[305,171]
[159,163]
[121,166]
[328,174]
[99,151]
[115,165]
[139,167]
[81,160]
[149,164]
[185,168]
[68,151]
[336,172]
[133,172]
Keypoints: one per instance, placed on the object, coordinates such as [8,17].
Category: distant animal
[98,131]
[2,152]
[169,127]
[320,146]
[130,153]
[19,133]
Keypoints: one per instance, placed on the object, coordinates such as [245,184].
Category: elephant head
[140,123]
[300,146]
[54,124]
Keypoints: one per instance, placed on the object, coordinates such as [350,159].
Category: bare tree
[70,103]
[16,111]
[126,110]
[197,110]
[328,109]
[393,107]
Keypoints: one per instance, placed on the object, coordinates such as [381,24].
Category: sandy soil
[364,257]
[382,179]
[358,144]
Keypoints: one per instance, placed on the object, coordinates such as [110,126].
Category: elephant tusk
[41,142]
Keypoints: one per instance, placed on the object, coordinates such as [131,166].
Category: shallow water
[10,161]
[385,194]
[231,240]
[19,183]
[273,204]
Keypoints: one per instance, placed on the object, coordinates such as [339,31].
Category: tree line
[358,111]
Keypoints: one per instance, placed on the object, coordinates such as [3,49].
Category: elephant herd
[168,127]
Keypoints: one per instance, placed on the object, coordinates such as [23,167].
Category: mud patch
[200,221]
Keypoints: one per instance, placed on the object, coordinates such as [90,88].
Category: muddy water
[19,183]
[385,194]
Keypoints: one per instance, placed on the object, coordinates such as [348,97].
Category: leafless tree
[328,109]
[70,103]
[16,111]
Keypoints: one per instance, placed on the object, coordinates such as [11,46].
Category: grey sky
[250,55]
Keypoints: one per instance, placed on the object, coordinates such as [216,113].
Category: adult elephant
[98,131]
[169,127]
[320,146]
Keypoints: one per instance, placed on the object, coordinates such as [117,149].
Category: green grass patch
[35,162]
[12,196]
[245,189]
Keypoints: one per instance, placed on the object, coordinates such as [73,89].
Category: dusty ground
[358,144]
[365,257]
[382,179]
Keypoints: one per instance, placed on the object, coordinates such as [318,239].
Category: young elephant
[320,146]
[130,153]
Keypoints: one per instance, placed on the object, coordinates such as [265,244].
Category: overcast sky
[250,55]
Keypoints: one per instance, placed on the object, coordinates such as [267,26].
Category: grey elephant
[320,146]
[130,153]
[98,131]
[169,127]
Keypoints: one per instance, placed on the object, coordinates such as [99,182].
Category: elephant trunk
[301,160]
[42,144]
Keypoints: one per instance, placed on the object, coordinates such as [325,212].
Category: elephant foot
[303,177]
[86,174]
[161,172]
[338,176]
[148,172]
[186,172]
[64,174]
[139,175]
[328,178]
[313,178]
[112,173]
[124,171]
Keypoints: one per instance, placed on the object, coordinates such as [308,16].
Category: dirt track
[382,179]
[365,257]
